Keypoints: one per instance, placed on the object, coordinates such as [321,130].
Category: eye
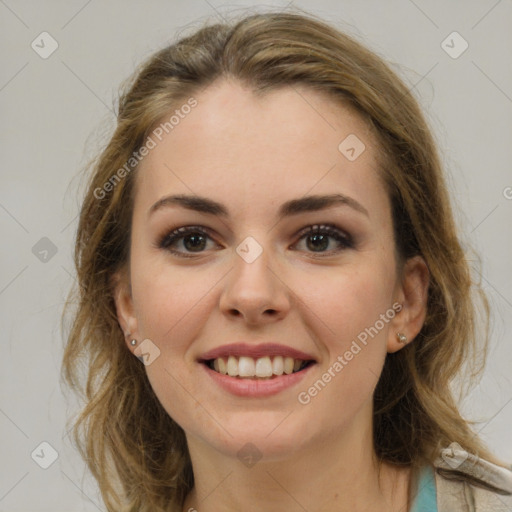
[318,238]
[187,239]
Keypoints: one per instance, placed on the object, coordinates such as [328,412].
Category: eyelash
[318,229]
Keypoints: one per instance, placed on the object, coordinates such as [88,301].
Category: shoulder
[468,483]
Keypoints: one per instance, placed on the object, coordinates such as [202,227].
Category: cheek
[349,301]
[171,306]
[350,312]
[168,302]
[162,293]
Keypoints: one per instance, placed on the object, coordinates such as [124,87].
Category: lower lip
[256,387]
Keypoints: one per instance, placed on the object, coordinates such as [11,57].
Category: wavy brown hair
[136,452]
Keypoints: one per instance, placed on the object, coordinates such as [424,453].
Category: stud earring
[402,338]
[133,342]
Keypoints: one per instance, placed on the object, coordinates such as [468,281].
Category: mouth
[261,368]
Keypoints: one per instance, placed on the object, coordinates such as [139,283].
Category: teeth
[278,366]
[263,367]
[232,368]
[288,365]
[222,366]
[245,366]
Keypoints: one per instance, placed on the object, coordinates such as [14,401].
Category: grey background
[56,112]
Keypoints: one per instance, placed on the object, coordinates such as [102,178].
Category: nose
[255,292]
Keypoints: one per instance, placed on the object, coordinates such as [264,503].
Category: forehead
[288,141]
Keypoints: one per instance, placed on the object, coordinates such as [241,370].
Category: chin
[259,435]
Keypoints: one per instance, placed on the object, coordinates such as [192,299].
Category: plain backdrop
[57,111]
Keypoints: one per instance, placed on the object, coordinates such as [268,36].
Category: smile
[266,367]
[253,386]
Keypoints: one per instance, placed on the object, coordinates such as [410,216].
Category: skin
[252,154]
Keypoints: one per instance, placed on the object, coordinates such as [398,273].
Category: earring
[402,338]
[133,342]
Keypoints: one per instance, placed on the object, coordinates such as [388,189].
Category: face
[286,239]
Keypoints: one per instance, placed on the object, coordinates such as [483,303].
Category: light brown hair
[136,452]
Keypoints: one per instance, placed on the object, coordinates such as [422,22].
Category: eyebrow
[292,207]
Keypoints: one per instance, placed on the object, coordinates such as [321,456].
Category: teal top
[425,498]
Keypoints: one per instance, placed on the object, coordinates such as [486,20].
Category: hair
[133,448]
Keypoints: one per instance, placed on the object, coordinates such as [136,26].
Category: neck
[339,473]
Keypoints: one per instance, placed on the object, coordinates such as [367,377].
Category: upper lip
[255,351]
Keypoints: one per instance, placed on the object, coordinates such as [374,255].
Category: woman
[273,298]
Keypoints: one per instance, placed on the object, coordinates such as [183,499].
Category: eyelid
[330,228]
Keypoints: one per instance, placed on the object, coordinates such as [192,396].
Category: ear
[412,293]
[124,307]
